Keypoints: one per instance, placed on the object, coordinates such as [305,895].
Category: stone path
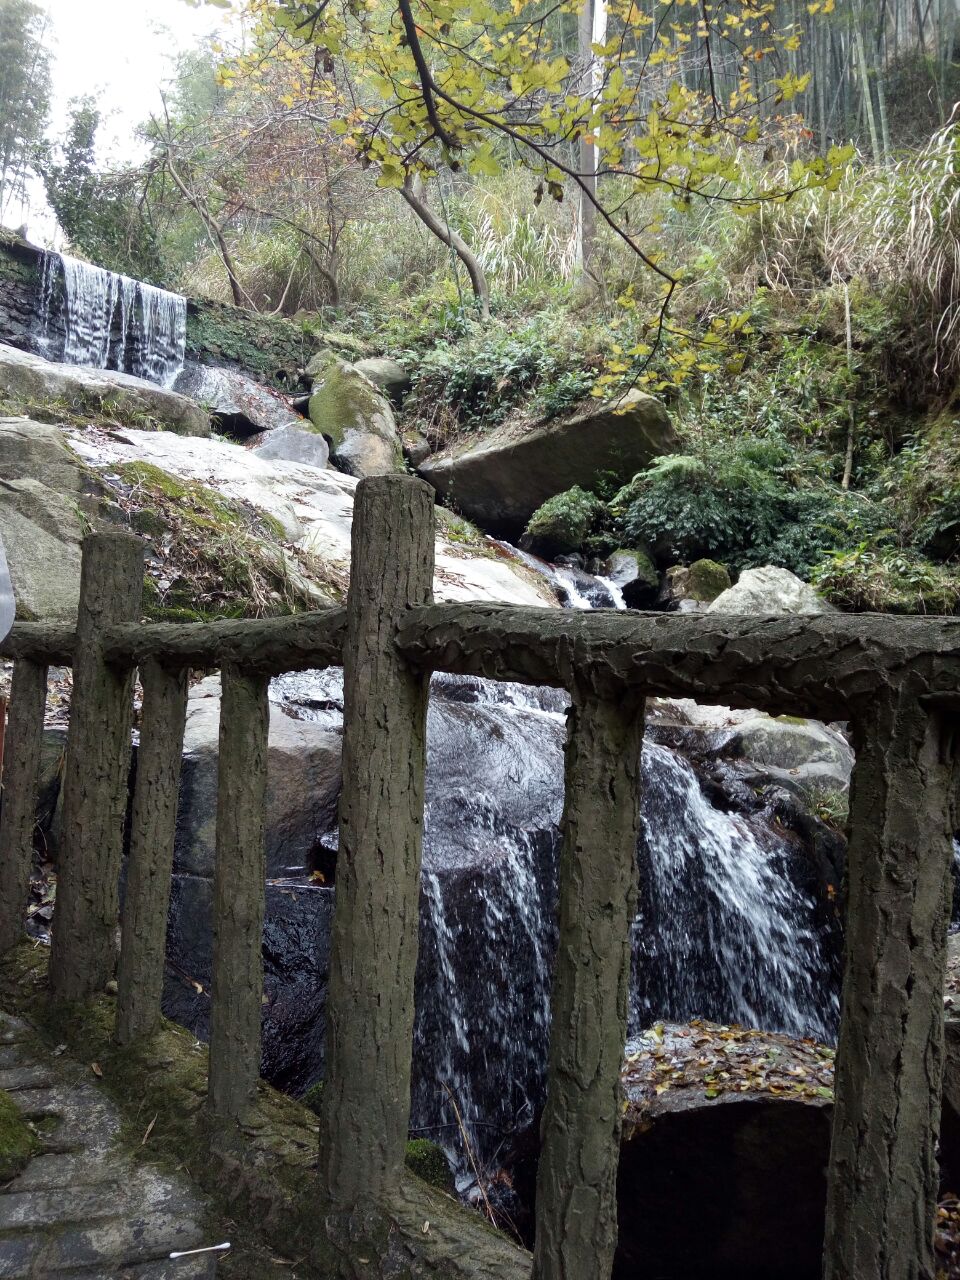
[84,1207]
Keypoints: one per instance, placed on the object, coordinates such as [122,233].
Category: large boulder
[767,591]
[690,588]
[31,384]
[501,480]
[314,510]
[293,443]
[241,406]
[356,420]
[389,375]
[636,576]
[303,782]
[47,500]
[723,1162]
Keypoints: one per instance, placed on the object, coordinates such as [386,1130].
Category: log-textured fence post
[21,769]
[96,772]
[366,1105]
[883,1170]
[239,891]
[152,832]
[577,1177]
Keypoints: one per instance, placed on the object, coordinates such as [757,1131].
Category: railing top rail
[823,665]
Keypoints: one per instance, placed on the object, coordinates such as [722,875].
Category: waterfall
[93,317]
[722,929]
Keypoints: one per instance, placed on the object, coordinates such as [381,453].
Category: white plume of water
[722,929]
[109,321]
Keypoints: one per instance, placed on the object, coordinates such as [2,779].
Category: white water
[97,318]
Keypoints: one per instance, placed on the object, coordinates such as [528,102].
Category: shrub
[564,522]
[887,580]
[687,509]
[738,503]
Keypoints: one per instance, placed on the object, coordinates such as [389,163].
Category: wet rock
[32,382]
[349,410]
[502,480]
[636,575]
[241,406]
[296,957]
[767,591]
[294,443]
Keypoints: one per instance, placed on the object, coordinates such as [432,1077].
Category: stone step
[110,1247]
[70,1169]
[28,1076]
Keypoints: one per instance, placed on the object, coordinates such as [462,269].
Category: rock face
[389,375]
[636,575]
[314,509]
[45,495]
[502,480]
[293,444]
[356,420]
[303,783]
[32,382]
[241,406]
[770,590]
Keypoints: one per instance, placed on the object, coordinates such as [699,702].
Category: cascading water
[722,928]
[729,927]
[93,317]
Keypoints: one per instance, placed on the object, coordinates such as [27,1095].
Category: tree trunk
[478,281]
[577,1177]
[96,772]
[366,1104]
[883,1169]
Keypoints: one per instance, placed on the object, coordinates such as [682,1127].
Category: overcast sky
[122,52]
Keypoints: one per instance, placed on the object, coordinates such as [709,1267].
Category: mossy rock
[18,1142]
[706,580]
[564,522]
[428,1162]
[357,421]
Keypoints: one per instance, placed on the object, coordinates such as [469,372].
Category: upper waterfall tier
[90,316]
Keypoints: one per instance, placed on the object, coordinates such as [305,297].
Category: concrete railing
[896,680]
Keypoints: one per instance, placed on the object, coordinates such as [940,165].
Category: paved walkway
[84,1207]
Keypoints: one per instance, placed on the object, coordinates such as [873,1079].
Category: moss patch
[18,1142]
[215,558]
[427,1161]
[707,580]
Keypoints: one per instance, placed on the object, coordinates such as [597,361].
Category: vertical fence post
[366,1105]
[577,1177]
[21,770]
[239,892]
[882,1181]
[96,772]
[152,833]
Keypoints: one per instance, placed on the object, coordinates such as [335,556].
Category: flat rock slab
[30,383]
[84,1206]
